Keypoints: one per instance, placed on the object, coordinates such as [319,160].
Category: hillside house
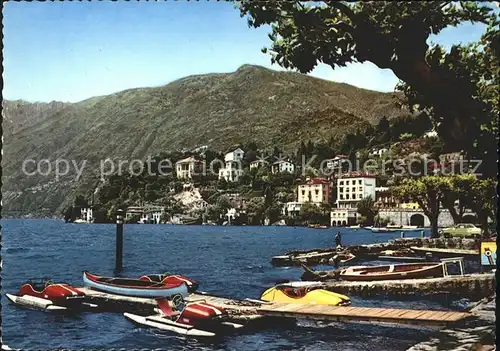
[283,166]
[233,166]
[315,190]
[187,167]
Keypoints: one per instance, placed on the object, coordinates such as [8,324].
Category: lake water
[228,261]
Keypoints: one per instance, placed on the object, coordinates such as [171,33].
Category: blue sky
[70,51]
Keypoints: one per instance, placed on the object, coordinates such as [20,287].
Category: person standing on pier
[338,240]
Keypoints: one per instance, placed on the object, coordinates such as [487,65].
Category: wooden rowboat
[135,287]
[393,272]
[372,273]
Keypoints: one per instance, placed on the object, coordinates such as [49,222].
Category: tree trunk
[434,226]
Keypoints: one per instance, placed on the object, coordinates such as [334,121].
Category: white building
[291,208]
[283,166]
[343,217]
[86,214]
[379,152]
[232,169]
[257,164]
[235,155]
[187,167]
[353,187]
[152,215]
[336,162]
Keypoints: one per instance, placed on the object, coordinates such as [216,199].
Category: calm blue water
[229,261]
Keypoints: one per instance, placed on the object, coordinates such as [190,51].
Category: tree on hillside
[458,87]
[255,210]
[310,213]
[428,192]
[366,208]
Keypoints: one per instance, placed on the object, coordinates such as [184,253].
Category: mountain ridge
[252,103]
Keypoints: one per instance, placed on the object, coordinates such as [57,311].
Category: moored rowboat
[393,272]
[135,287]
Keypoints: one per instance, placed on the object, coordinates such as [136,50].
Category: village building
[86,214]
[283,166]
[187,167]
[343,217]
[384,198]
[315,190]
[353,187]
[232,169]
[257,163]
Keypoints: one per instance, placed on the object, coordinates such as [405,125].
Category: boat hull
[35,302]
[393,272]
[151,292]
[166,324]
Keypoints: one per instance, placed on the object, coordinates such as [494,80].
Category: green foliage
[366,208]
[406,136]
[428,192]
[273,213]
[458,89]
[255,210]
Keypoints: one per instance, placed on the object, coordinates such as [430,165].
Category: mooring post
[119,240]
[422,234]
[402,234]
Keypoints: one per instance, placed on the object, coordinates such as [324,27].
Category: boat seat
[165,308]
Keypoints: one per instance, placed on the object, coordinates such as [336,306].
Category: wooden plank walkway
[364,314]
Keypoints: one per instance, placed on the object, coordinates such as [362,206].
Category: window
[316,192]
[360,188]
[347,196]
[341,190]
[353,196]
[346,182]
[341,182]
[341,197]
[303,192]
[360,181]
[353,189]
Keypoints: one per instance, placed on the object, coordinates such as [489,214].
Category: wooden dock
[365,314]
[244,310]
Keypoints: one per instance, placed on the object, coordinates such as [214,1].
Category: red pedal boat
[193,319]
[44,294]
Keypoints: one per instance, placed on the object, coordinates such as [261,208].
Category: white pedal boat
[35,302]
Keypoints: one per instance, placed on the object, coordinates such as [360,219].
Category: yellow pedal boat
[304,293]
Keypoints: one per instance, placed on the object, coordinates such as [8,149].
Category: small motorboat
[137,287]
[382,230]
[44,294]
[193,319]
[358,226]
[341,258]
[317,226]
[304,293]
[393,272]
